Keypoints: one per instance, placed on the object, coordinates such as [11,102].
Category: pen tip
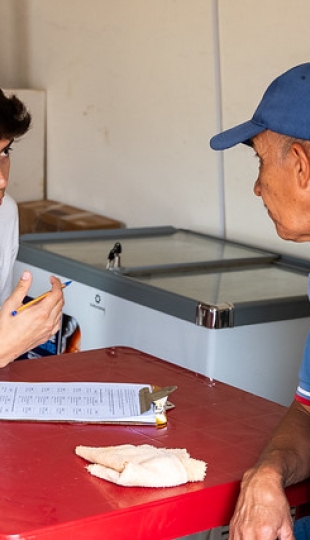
[66,283]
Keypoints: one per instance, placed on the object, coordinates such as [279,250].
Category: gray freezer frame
[123,282]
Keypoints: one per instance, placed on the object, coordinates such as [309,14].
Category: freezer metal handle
[215,316]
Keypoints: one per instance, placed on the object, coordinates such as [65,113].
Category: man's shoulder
[9,206]
[8,213]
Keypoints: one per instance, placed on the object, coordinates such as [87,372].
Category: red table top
[46,493]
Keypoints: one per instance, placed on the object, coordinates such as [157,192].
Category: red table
[46,493]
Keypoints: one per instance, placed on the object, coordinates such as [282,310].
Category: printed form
[73,402]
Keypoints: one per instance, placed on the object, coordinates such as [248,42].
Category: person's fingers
[56,283]
[56,297]
[54,303]
[21,290]
[24,283]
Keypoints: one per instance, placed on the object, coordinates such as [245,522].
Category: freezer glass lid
[140,251]
[233,286]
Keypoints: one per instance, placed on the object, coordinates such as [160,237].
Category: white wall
[130,106]
[132,100]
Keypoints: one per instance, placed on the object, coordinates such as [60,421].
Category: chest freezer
[229,311]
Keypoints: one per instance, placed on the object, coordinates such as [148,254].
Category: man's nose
[257,188]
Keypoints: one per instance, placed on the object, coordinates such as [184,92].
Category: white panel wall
[130,107]
[132,100]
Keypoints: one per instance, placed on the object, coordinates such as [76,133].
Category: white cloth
[8,244]
[143,465]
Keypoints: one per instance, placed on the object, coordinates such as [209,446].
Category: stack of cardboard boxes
[49,216]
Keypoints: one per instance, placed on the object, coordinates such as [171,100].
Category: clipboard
[89,402]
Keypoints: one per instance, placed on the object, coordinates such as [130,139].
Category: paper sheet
[76,401]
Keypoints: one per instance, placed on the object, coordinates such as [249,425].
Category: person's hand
[32,326]
[262,511]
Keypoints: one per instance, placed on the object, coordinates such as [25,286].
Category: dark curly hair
[15,119]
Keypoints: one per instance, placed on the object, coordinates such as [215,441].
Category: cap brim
[236,135]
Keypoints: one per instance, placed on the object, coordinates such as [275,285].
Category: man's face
[5,147]
[276,184]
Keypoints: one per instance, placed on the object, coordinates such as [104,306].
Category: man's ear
[301,163]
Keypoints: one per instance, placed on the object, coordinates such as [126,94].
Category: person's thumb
[20,291]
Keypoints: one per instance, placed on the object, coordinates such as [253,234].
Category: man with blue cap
[279,133]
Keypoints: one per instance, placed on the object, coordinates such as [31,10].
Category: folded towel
[143,465]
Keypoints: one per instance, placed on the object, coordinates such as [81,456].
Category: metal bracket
[215,316]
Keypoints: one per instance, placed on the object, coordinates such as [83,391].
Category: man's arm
[262,511]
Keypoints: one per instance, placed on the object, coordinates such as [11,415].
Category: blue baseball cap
[284,109]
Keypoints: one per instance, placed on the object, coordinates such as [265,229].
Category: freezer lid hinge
[215,316]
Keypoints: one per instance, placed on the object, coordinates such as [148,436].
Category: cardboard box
[52,216]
